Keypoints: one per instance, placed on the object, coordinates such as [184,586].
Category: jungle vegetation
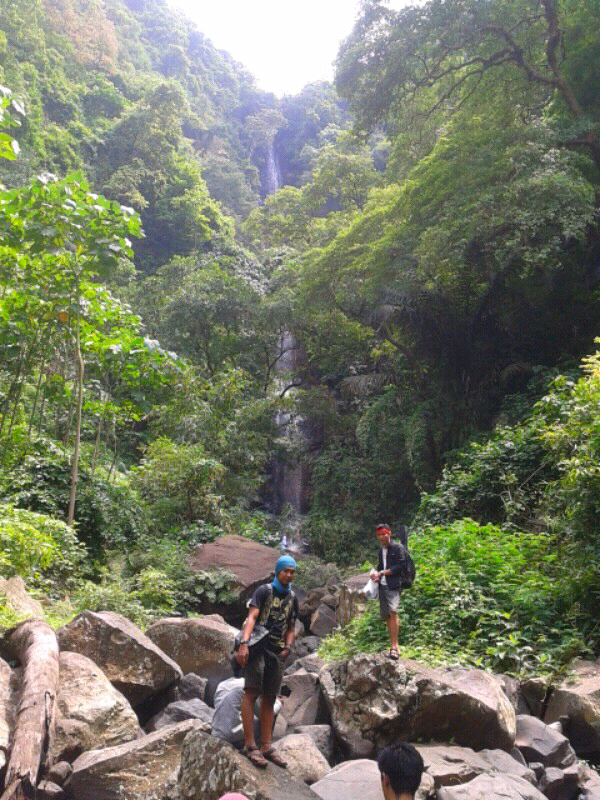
[432,254]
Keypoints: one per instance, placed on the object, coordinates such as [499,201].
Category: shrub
[111,595]
[108,513]
[312,573]
[214,586]
[506,601]
[43,551]
[177,482]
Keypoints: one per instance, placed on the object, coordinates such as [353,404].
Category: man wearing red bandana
[388,575]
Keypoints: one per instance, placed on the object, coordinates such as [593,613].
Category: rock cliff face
[470,726]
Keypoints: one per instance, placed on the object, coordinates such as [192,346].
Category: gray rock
[450,765]
[578,699]
[538,742]
[198,644]
[558,784]
[323,621]
[533,693]
[322,736]
[330,600]
[142,770]
[128,658]
[360,780]
[352,601]
[305,760]
[190,687]
[484,787]
[210,768]
[179,711]
[538,768]
[589,780]
[90,712]
[19,599]
[311,663]
[59,772]
[304,647]
[47,790]
[305,704]
[374,701]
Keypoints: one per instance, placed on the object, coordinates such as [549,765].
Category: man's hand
[375,576]
[284,653]
[241,655]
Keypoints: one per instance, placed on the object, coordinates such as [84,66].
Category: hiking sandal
[393,653]
[255,756]
[274,757]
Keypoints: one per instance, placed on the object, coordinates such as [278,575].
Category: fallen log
[33,643]
[19,790]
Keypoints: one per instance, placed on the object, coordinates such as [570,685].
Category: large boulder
[322,736]
[211,767]
[542,743]
[360,780]
[305,760]
[323,621]
[5,711]
[352,599]
[590,783]
[128,658]
[508,787]
[90,712]
[190,687]
[305,704]
[560,784]
[374,701]
[251,562]
[19,599]
[142,770]
[198,644]
[180,710]
[450,765]
[578,699]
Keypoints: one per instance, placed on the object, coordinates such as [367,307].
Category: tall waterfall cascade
[273,174]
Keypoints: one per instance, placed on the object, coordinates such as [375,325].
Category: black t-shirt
[281,614]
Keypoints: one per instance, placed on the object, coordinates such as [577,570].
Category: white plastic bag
[371,589]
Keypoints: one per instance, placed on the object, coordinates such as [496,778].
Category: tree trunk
[75,461]
[34,644]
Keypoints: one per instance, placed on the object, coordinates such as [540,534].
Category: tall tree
[436,56]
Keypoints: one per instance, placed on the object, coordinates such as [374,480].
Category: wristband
[244,641]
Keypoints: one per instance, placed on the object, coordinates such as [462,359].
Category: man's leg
[392,626]
[247,712]
[267,720]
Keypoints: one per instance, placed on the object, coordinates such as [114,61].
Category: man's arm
[290,633]
[397,557]
[241,655]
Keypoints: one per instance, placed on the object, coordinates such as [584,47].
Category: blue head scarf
[282,563]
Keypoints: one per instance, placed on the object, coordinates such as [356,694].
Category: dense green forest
[388,287]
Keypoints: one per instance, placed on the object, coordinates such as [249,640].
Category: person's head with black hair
[401,766]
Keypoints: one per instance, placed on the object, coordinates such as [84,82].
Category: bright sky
[285,44]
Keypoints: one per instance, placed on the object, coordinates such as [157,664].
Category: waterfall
[288,475]
[273,175]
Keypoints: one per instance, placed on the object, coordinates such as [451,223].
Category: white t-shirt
[384,550]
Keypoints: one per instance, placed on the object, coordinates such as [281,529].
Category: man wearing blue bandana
[275,606]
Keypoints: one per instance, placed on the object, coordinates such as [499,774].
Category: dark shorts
[389,600]
[264,673]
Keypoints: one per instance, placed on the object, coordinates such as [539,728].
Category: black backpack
[407,576]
